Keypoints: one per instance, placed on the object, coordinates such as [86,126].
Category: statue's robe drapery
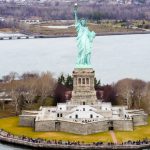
[84,43]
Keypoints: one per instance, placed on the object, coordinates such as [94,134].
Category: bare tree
[15,89]
[146,98]
[138,92]
[124,91]
[30,89]
[95,11]
[10,77]
[45,85]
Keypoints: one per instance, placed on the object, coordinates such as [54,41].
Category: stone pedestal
[83,87]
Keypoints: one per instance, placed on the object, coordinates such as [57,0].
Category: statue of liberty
[85,39]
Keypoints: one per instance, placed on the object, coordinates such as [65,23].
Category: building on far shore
[2,19]
[32,20]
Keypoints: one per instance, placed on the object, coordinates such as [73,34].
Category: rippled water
[113,57]
[11,147]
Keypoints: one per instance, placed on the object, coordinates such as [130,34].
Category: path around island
[113,136]
[9,138]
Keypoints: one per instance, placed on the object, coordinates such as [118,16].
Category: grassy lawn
[11,125]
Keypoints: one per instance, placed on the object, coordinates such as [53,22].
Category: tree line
[31,89]
[28,89]
[133,92]
[58,10]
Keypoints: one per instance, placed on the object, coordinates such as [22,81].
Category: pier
[16,37]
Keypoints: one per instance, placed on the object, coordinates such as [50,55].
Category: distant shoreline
[97,34]
[123,33]
[32,36]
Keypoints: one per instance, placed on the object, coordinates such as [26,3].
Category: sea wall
[27,120]
[71,127]
[139,120]
[84,129]
[123,125]
[48,125]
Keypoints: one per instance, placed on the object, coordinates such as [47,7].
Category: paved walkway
[113,136]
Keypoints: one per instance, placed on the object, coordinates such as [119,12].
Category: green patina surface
[85,39]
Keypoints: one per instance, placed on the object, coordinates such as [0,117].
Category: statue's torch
[75,7]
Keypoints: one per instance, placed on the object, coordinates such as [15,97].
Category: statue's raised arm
[75,13]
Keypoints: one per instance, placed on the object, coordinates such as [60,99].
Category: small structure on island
[84,113]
